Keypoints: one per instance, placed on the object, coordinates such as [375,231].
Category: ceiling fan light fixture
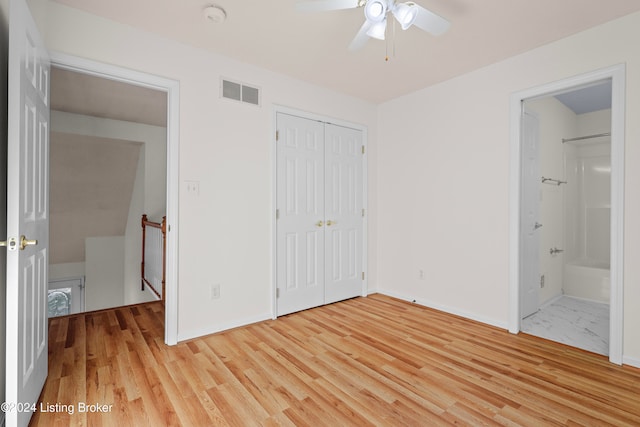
[378,29]
[375,10]
[405,14]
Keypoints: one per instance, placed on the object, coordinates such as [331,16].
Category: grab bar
[552,181]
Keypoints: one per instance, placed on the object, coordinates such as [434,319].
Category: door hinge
[362,212]
[277,135]
[277,292]
[363,275]
[363,149]
[277,213]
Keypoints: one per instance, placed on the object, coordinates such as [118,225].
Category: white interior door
[529,227]
[27,214]
[343,213]
[300,224]
[319,200]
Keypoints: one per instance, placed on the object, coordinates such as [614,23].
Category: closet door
[343,213]
[319,203]
[300,206]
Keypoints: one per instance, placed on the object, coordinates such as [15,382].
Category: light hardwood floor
[365,361]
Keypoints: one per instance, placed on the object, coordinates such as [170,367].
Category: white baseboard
[223,327]
[631,361]
[550,301]
[450,310]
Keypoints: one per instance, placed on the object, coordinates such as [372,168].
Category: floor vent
[240,92]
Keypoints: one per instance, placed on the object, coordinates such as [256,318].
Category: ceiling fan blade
[430,22]
[322,5]
[361,38]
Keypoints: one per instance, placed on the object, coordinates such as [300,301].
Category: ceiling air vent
[240,92]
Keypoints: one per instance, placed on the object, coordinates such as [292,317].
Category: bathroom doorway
[570,272]
[560,246]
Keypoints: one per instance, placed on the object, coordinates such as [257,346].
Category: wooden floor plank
[374,361]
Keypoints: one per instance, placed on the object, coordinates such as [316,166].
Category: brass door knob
[24,242]
[330,223]
[319,224]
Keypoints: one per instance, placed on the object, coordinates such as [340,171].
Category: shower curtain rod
[585,137]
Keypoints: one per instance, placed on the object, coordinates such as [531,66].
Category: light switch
[193,188]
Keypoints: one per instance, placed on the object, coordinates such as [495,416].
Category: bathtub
[587,279]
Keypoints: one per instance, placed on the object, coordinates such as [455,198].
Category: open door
[530,262]
[27,215]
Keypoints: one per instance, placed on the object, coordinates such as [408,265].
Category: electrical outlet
[215,291]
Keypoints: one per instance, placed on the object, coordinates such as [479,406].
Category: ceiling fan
[376,12]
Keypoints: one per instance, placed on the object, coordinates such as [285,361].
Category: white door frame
[312,116]
[172,89]
[617,75]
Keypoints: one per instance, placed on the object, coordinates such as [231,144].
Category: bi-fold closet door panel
[300,218]
[319,199]
[343,213]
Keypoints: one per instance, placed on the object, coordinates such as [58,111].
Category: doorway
[171,89]
[566,223]
[320,212]
[561,244]
[107,168]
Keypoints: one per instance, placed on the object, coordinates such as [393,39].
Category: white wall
[104,279]
[556,122]
[154,138]
[447,147]
[225,234]
[68,269]
[595,123]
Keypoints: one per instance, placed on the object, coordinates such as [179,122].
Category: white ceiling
[589,99]
[86,94]
[313,46]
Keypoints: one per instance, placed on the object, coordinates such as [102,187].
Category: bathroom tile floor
[572,321]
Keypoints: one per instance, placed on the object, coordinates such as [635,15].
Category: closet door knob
[319,224]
